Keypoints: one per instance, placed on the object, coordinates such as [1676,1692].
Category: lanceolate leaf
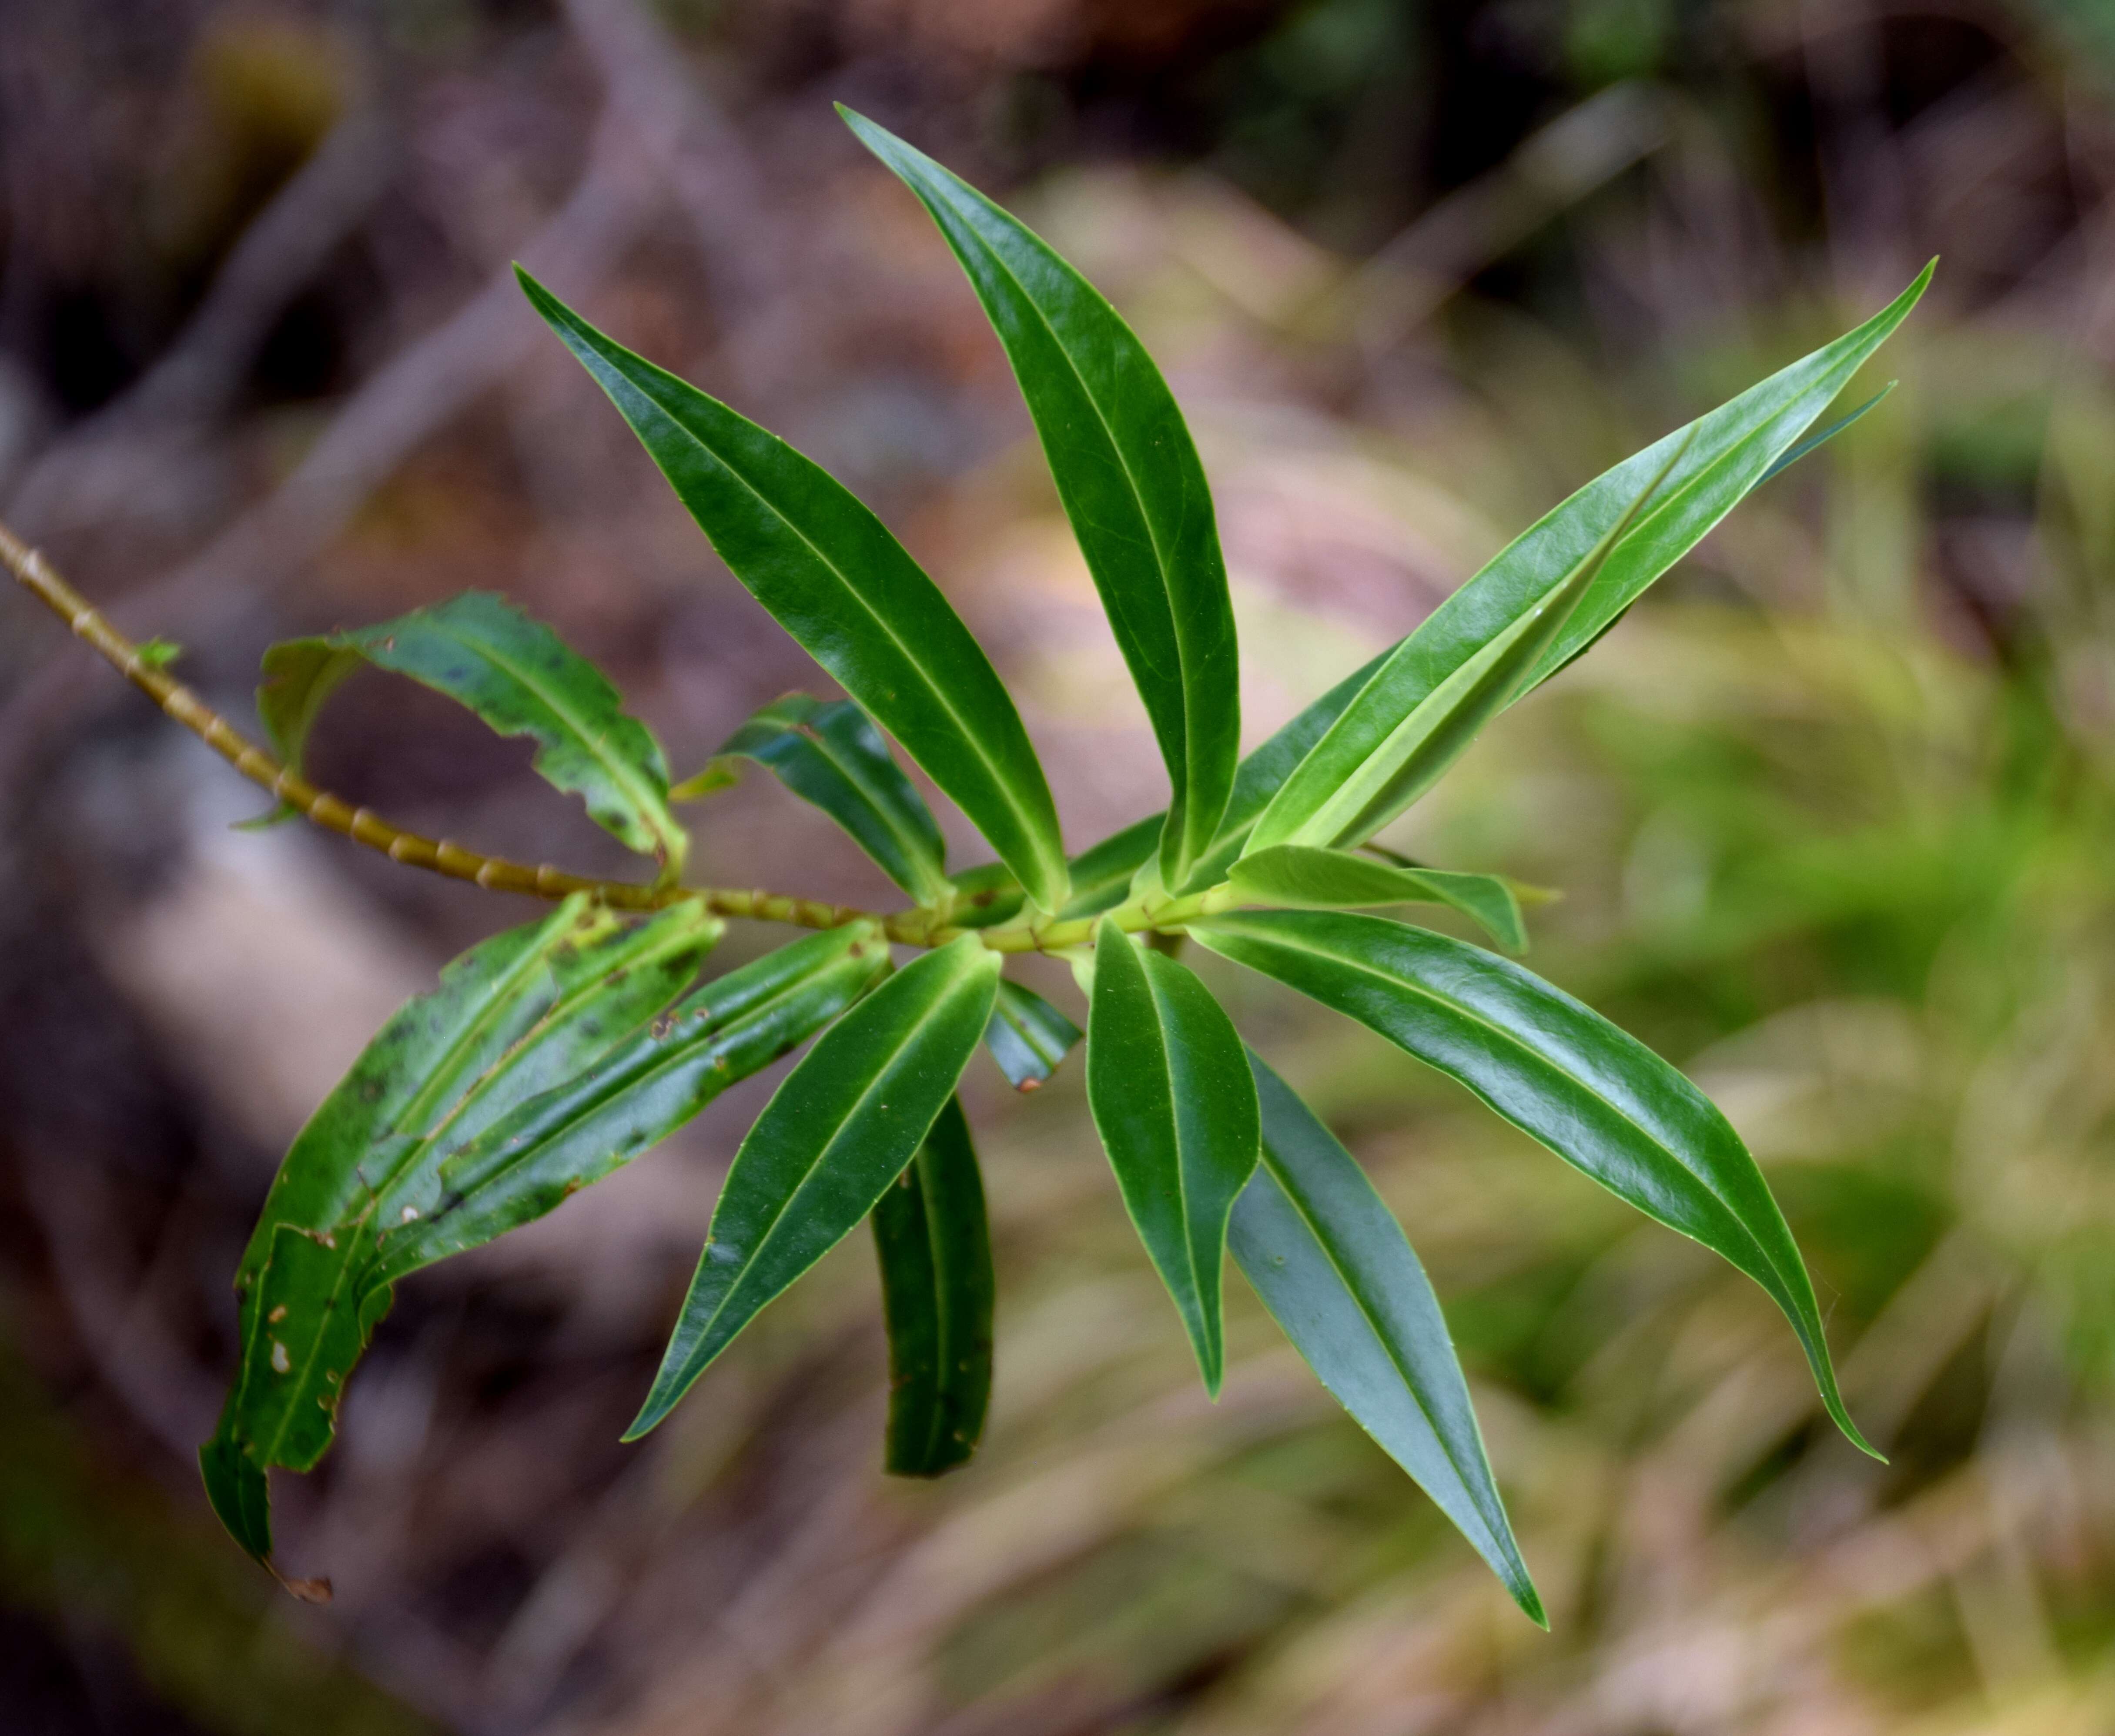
[835,579]
[1129,476]
[1028,1036]
[511,1017]
[1335,1271]
[934,1248]
[522,679]
[1715,461]
[1401,730]
[1300,876]
[1555,1069]
[827,1145]
[831,755]
[543,1149]
[1169,1085]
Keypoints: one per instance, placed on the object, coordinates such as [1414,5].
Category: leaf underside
[1028,1037]
[1336,1271]
[1558,1070]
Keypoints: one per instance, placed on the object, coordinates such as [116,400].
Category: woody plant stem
[926,925]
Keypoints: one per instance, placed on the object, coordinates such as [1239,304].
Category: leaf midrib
[1161,1025]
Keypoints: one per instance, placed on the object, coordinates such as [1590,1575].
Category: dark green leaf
[934,1247]
[1101,877]
[1715,461]
[522,679]
[1028,1037]
[1555,1069]
[1304,877]
[1169,1085]
[511,1017]
[1334,1269]
[985,896]
[1129,476]
[545,1147]
[827,1145]
[833,576]
[831,755]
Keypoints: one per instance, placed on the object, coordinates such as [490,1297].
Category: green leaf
[510,1018]
[839,1130]
[1304,877]
[521,679]
[1028,1037]
[1402,732]
[934,1247]
[1129,476]
[1102,874]
[1555,1069]
[1792,455]
[545,1147]
[832,755]
[833,576]
[1714,462]
[1169,1085]
[1337,1273]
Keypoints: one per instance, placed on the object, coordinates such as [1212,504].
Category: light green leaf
[827,1145]
[1169,1085]
[1715,461]
[1028,1037]
[521,679]
[1383,753]
[1129,476]
[833,576]
[1555,1069]
[934,1248]
[831,755]
[1336,1271]
[1299,876]
[511,1017]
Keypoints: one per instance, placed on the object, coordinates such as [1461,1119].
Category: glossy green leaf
[546,1146]
[1302,877]
[1557,1069]
[1028,1037]
[934,1249]
[1169,1085]
[1399,735]
[511,1017]
[521,679]
[827,1145]
[985,896]
[833,577]
[831,755]
[1362,772]
[1102,876]
[1128,474]
[1337,1273]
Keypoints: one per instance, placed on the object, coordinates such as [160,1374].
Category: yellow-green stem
[918,927]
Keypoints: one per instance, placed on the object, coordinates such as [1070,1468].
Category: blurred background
[1832,815]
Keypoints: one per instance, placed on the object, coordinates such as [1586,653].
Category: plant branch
[924,927]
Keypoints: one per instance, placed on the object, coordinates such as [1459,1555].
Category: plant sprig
[556,1052]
